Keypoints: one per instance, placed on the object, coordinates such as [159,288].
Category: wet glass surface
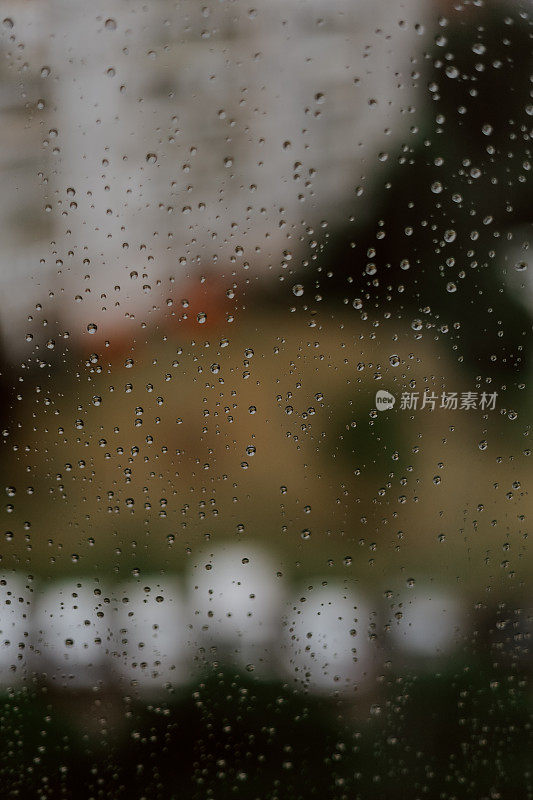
[265,360]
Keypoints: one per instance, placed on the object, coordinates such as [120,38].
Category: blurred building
[156,141]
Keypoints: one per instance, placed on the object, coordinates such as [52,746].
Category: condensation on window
[265,352]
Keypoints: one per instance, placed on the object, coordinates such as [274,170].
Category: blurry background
[223,228]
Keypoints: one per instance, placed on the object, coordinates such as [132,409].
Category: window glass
[265,358]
